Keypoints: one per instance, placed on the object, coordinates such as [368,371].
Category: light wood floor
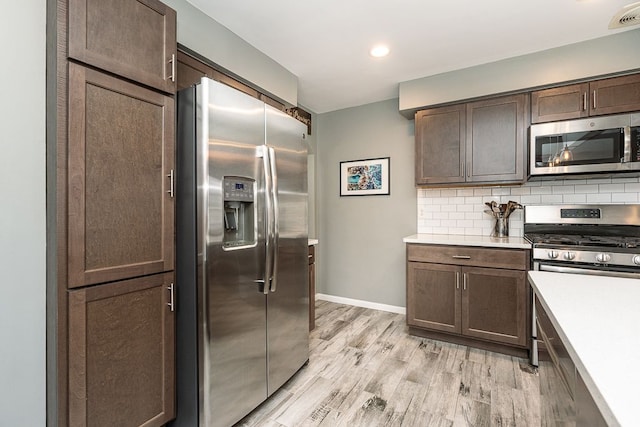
[365,370]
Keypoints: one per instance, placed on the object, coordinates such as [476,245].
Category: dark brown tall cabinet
[116,149]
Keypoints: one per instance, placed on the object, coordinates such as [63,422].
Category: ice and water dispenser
[239,213]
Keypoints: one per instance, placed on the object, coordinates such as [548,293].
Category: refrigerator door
[231,303]
[288,299]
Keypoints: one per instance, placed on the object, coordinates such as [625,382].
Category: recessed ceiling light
[379,51]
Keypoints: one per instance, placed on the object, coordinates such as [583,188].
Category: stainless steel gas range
[602,240]
[585,239]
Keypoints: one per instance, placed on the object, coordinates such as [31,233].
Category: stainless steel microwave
[595,145]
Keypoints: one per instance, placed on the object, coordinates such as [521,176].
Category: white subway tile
[482,191]
[456,230]
[631,187]
[624,197]
[449,223]
[587,188]
[431,208]
[599,198]
[612,188]
[440,230]
[441,215]
[530,200]
[574,198]
[500,191]
[432,222]
[455,200]
[473,215]
[543,189]
[473,200]
[563,189]
[448,208]
[465,223]
[574,181]
[432,193]
[449,192]
[599,181]
[425,229]
[519,191]
[462,192]
[473,231]
[456,215]
[465,208]
[551,199]
[625,180]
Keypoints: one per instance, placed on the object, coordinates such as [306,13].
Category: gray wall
[22,215]
[605,55]
[361,254]
[215,42]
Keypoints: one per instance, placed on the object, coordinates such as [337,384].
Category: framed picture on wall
[367,177]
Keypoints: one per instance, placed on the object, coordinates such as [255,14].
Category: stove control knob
[636,259]
[552,254]
[603,257]
[569,256]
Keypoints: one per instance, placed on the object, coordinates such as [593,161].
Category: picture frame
[365,177]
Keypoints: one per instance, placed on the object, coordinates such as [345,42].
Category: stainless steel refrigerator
[242,253]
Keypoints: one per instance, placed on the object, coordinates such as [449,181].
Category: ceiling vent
[627,16]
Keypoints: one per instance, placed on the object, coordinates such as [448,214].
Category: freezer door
[231,302]
[288,303]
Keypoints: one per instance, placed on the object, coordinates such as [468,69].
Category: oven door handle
[556,269]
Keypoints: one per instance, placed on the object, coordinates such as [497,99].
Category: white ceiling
[326,43]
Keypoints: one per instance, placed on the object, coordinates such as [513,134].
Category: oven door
[592,270]
[603,144]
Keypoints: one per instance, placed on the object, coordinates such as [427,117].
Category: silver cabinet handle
[457,280]
[171,302]
[594,100]
[173,67]
[584,101]
[464,282]
[171,183]
[461,257]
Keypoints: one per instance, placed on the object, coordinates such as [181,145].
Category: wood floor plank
[365,370]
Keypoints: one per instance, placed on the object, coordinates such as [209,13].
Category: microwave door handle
[627,145]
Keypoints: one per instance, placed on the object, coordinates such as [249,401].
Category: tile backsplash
[461,210]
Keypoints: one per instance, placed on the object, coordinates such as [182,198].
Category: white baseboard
[361,303]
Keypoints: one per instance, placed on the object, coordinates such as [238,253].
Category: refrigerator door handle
[275,218]
[269,218]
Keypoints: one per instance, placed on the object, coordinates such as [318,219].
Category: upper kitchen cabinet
[475,143]
[496,138]
[440,145]
[120,179]
[135,39]
[599,97]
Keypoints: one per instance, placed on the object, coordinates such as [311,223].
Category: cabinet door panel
[494,305]
[433,296]
[135,39]
[121,145]
[496,139]
[440,145]
[560,103]
[121,353]
[616,95]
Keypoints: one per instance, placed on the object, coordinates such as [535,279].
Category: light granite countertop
[460,240]
[313,242]
[598,320]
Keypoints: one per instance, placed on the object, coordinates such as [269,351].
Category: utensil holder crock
[500,227]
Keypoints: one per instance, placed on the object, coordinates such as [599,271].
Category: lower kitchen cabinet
[487,301]
[121,353]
